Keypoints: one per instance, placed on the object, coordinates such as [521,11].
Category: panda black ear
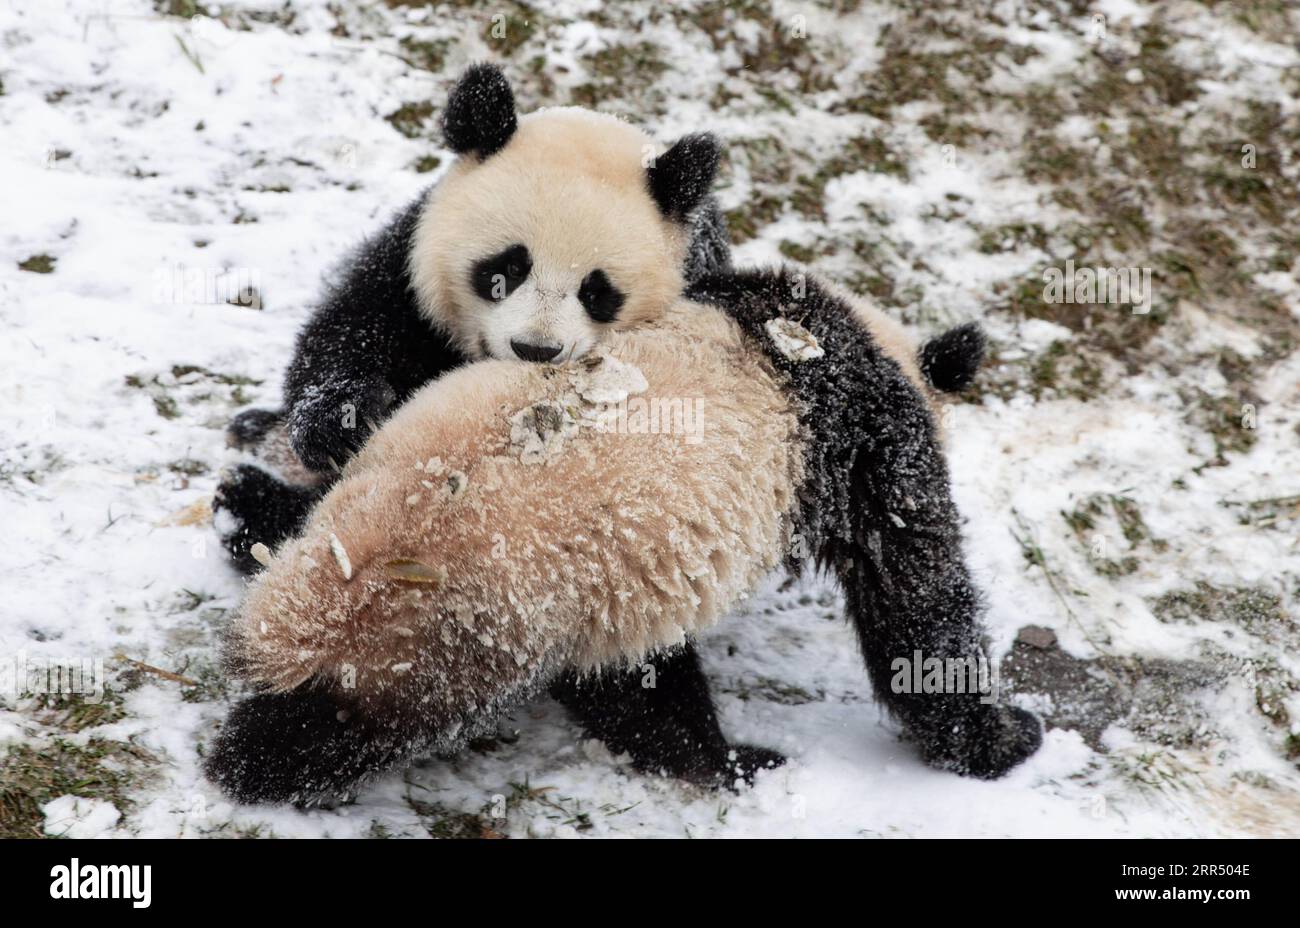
[682,176]
[480,114]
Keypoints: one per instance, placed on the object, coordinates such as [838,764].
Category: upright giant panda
[548,232]
[507,529]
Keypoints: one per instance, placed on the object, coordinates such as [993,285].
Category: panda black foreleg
[254,506]
[661,713]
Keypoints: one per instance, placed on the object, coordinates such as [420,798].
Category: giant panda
[547,232]
[506,531]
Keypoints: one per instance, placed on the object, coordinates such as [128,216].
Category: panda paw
[332,424]
[987,745]
[248,429]
[252,506]
[745,760]
[726,766]
[238,498]
[295,747]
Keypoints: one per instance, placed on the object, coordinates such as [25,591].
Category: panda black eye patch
[600,298]
[495,278]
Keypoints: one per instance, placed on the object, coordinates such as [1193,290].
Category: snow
[125,161]
[793,340]
[75,817]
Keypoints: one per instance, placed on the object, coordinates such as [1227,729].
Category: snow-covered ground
[1132,482]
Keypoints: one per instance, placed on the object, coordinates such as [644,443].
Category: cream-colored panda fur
[497,527]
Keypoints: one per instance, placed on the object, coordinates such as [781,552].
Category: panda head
[551,229]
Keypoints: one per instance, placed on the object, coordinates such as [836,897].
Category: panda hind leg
[911,597]
[666,722]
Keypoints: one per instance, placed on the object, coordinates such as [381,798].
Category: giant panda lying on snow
[396,625]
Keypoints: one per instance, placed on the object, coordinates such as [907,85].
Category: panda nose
[537,353]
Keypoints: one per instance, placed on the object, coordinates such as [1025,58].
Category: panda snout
[536,353]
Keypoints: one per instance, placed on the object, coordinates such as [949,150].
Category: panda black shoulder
[369,320]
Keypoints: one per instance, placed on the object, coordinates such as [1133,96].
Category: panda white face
[535,311]
[567,228]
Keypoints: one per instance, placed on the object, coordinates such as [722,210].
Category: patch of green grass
[1165,82]
[808,196]
[165,406]
[509,27]
[875,284]
[945,129]
[560,809]
[620,72]
[185,9]
[1292,747]
[426,163]
[745,222]
[180,371]
[190,379]
[1274,686]
[189,601]
[425,54]
[774,45]
[1224,419]
[74,712]
[213,682]
[32,776]
[38,264]
[441,822]
[1090,521]
[867,152]
[1132,524]
[1158,772]
[1046,159]
[1283,250]
[410,118]
[1013,236]
[1255,610]
[768,160]
[1064,369]
[1267,512]
[796,252]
